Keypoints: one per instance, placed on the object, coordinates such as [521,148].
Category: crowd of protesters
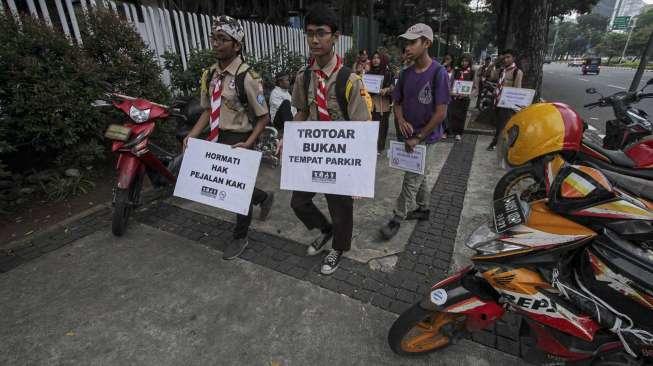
[424,96]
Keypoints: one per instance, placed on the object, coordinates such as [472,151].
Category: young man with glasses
[232,95]
[316,98]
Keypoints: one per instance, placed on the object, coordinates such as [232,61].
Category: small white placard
[462,87]
[218,175]
[373,83]
[400,159]
[330,157]
[515,98]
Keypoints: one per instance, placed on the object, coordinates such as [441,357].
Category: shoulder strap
[435,80]
[240,86]
[341,90]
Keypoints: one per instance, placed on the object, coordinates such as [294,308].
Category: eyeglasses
[221,39]
[320,34]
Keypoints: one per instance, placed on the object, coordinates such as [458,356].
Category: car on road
[591,65]
[575,62]
[547,60]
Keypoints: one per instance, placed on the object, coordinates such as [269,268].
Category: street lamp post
[630,32]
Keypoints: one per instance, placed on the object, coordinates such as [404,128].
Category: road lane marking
[592,128]
[594,118]
[616,86]
[601,136]
[581,79]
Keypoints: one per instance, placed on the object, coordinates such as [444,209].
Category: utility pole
[630,32]
[642,65]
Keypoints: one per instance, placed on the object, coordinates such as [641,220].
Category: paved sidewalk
[152,298]
[421,256]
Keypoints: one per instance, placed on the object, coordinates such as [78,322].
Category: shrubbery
[47,84]
[186,81]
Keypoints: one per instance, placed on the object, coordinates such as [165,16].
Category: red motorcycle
[626,155]
[137,155]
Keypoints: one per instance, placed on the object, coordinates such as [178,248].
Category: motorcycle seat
[617,157]
[635,185]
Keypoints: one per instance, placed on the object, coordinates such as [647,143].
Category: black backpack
[341,87]
[240,85]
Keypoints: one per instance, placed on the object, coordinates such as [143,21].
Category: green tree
[524,26]
[612,45]
[641,33]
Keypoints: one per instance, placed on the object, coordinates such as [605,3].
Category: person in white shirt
[281,109]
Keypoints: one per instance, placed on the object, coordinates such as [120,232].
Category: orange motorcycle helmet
[540,129]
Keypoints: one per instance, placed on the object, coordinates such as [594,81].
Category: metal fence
[165,30]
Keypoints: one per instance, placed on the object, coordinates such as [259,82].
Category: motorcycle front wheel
[522,181]
[418,331]
[124,201]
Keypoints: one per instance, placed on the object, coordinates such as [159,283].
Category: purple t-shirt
[416,98]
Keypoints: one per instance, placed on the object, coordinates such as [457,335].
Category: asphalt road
[567,84]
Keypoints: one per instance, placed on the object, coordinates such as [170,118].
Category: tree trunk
[523,27]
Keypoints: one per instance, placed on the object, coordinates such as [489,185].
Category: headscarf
[383,68]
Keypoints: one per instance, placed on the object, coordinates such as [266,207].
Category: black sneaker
[266,206]
[390,229]
[235,248]
[491,148]
[319,244]
[331,262]
[419,214]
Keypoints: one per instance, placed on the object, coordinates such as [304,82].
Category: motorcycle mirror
[591,90]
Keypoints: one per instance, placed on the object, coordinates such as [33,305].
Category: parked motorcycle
[578,266]
[486,96]
[137,155]
[631,164]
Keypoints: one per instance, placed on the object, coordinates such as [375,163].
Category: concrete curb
[148,196]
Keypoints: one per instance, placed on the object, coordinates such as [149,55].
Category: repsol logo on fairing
[540,305]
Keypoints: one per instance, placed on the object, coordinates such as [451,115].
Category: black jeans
[341,210]
[501,117]
[458,115]
[384,120]
[258,196]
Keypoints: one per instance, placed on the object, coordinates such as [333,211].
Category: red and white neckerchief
[502,79]
[464,71]
[321,90]
[216,102]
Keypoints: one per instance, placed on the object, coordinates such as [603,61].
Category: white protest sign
[400,159]
[373,83]
[330,157]
[218,175]
[515,98]
[462,87]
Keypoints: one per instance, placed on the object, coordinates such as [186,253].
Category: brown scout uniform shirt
[357,106]
[512,79]
[233,116]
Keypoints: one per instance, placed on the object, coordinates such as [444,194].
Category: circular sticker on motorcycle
[438,296]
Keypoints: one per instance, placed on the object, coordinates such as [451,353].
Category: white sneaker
[331,262]
[319,244]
